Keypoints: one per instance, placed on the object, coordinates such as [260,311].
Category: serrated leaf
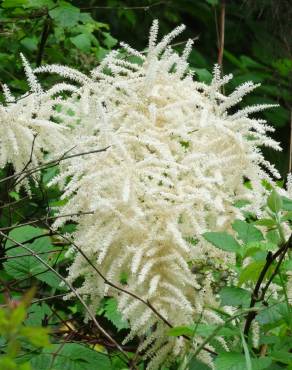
[287,204]
[196,364]
[71,356]
[251,272]
[66,15]
[82,42]
[14,3]
[274,202]
[180,330]
[273,314]
[109,41]
[36,335]
[223,241]
[266,222]
[247,232]
[112,314]
[236,361]
[22,267]
[36,314]
[234,296]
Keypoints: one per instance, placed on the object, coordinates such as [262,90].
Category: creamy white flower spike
[26,127]
[175,167]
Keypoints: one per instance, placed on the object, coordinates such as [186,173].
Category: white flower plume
[27,130]
[175,167]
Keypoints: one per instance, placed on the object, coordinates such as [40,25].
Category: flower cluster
[175,166]
[27,128]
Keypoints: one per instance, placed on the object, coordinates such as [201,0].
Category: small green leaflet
[234,296]
[247,232]
[236,361]
[26,266]
[275,202]
[180,330]
[82,41]
[251,272]
[287,204]
[273,314]
[112,314]
[65,14]
[223,241]
[71,356]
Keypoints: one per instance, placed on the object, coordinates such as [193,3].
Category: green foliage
[71,356]
[223,241]
[14,334]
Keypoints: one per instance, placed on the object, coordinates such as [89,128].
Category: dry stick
[222,33]
[256,296]
[107,282]
[28,254]
[92,316]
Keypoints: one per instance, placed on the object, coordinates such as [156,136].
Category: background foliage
[77,33]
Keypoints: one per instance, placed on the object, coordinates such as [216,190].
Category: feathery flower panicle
[175,166]
[27,130]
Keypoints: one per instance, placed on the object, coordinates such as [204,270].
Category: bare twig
[221,33]
[43,40]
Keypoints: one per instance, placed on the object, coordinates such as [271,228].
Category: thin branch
[145,7]
[44,37]
[221,33]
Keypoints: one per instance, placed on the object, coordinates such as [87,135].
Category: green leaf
[71,356]
[180,330]
[109,41]
[66,15]
[196,364]
[203,74]
[18,315]
[212,2]
[273,314]
[36,314]
[37,336]
[274,202]
[82,42]
[287,204]
[21,267]
[236,361]
[112,314]
[251,272]
[268,222]
[14,3]
[223,241]
[247,232]
[234,296]
[30,43]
